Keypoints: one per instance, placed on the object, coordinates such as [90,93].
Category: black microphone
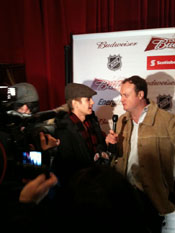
[112,148]
[114,119]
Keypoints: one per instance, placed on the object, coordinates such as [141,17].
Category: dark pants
[152,218]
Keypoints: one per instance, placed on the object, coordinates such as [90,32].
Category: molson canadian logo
[160,43]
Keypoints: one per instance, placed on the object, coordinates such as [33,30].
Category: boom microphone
[28,118]
[41,116]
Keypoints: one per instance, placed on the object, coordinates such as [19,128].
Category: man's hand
[35,190]
[111,138]
[49,143]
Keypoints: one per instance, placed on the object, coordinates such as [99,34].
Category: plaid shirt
[87,132]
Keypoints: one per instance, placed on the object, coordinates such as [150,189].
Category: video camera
[18,132]
[7,93]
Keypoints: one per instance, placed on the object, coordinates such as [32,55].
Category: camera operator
[21,133]
[27,99]
[24,102]
[14,109]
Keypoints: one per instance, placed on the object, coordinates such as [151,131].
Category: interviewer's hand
[111,137]
[51,141]
[35,190]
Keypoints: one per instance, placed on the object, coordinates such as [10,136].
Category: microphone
[114,119]
[112,148]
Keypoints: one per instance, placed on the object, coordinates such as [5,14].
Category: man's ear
[141,95]
[74,103]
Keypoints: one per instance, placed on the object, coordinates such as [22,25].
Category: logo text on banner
[160,62]
[160,43]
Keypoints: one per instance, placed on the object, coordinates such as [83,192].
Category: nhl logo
[114,62]
[164,101]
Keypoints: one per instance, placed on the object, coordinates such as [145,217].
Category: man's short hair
[139,83]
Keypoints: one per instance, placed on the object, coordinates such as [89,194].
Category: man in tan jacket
[146,148]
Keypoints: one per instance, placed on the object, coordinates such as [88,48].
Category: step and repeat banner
[102,60]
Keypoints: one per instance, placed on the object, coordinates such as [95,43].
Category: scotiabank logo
[160,62]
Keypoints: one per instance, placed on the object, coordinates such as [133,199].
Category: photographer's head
[27,99]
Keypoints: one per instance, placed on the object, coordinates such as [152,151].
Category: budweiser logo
[161,43]
[105,44]
[101,85]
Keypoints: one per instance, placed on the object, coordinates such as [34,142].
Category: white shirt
[133,156]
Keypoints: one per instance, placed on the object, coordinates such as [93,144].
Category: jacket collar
[150,116]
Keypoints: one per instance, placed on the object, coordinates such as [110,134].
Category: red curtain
[34,32]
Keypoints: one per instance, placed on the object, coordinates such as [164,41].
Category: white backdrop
[102,60]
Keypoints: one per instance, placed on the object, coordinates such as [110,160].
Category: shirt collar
[143,114]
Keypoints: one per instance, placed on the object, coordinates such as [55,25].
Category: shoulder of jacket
[62,119]
[167,116]
[63,107]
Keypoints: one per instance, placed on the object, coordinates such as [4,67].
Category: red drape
[34,32]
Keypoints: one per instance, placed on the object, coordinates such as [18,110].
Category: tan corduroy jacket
[156,154]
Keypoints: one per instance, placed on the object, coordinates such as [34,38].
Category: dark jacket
[73,152]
